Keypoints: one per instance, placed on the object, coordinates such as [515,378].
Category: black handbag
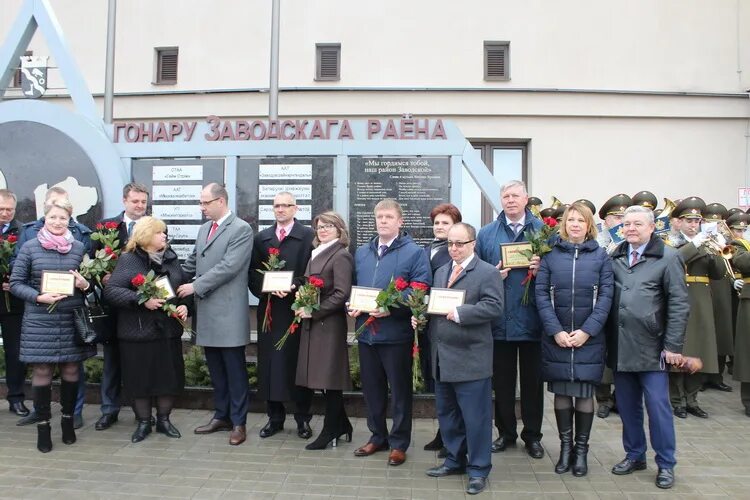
[92,322]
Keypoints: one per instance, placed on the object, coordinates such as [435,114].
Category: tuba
[556,203]
[669,205]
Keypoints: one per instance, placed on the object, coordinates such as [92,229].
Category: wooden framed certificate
[512,256]
[277,281]
[362,298]
[444,300]
[164,284]
[61,282]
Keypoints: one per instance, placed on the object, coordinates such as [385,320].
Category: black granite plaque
[417,183]
[174,187]
[309,178]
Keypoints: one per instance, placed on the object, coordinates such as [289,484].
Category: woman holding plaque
[44,276]
[443,217]
[150,345]
[323,361]
[574,289]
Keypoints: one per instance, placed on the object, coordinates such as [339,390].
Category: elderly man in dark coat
[277,368]
[645,331]
[462,349]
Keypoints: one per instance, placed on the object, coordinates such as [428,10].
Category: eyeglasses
[284,205]
[458,244]
[207,203]
[325,227]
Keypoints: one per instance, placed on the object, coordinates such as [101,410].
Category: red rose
[99,226]
[293,327]
[401,284]
[108,250]
[417,285]
[550,221]
[273,251]
[111,225]
[414,350]
[114,256]
[12,238]
[316,282]
[138,280]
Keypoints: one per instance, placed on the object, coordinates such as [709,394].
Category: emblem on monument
[33,76]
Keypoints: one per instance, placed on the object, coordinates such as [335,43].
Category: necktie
[130,227]
[634,258]
[456,271]
[282,234]
[516,227]
[214,227]
[381,250]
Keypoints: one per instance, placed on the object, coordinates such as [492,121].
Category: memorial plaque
[417,183]
[309,179]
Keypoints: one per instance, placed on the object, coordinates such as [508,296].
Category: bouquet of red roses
[105,258]
[274,263]
[307,299]
[7,246]
[540,245]
[417,303]
[387,298]
[147,289]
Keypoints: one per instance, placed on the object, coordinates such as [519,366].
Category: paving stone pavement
[713,456]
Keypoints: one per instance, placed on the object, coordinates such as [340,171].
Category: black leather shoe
[31,418]
[304,431]
[476,485]
[18,408]
[603,411]
[443,453]
[105,421]
[697,411]
[270,429]
[665,478]
[164,426]
[535,449]
[442,471]
[436,444]
[680,412]
[140,433]
[501,443]
[628,466]
[720,386]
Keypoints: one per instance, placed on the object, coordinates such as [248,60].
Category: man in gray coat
[645,332]
[461,347]
[219,263]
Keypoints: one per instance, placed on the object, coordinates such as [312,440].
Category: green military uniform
[741,264]
[700,336]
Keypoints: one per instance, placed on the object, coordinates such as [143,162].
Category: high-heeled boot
[564,420]
[68,394]
[42,401]
[581,449]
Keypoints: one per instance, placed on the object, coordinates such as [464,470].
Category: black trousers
[226,365]
[276,410]
[508,358]
[15,371]
[383,366]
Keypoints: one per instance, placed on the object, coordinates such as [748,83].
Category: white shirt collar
[521,221]
[464,263]
[320,248]
[386,243]
[221,221]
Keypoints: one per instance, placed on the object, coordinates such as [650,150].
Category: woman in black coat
[574,289]
[48,337]
[150,340]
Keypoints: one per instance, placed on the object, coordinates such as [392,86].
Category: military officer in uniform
[611,215]
[739,223]
[700,338]
[722,293]
[645,199]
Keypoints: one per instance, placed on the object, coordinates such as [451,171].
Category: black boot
[435,444]
[333,424]
[68,394]
[164,426]
[42,401]
[564,420]
[581,450]
[345,429]
[143,430]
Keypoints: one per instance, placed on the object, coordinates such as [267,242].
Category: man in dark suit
[462,350]
[134,201]
[277,368]
[10,318]
[219,264]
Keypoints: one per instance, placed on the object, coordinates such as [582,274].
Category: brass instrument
[669,205]
[535,210]
[556,203]
[726,252]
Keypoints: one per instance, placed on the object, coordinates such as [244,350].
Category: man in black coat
[134,201]
[10,317]
[277,369]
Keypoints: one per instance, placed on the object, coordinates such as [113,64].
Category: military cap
[645,199]
[739,221]
[534,201]
[657,212]
[615,205]
[733,211]
[559,211]
[690,208]
[715,211]
[588,203]
[547,212]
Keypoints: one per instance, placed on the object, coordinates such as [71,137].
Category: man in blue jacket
[385,354]
[517,333]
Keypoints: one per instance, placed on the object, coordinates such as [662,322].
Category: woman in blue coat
[574,289]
